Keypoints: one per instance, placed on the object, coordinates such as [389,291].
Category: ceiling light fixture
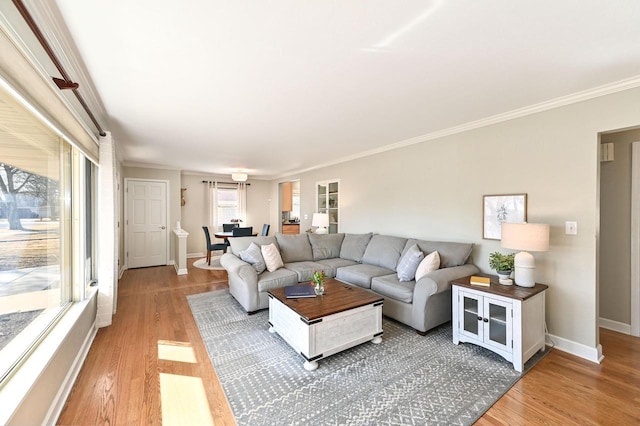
[239,177]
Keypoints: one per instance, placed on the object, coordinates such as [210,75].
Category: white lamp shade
[321,220]
[239,177]
[525,236]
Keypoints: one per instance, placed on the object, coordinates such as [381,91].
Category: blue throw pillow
[409,263]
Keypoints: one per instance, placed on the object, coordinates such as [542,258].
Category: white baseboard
[65,389]
[192,255]
[575,348]
[620,327]
[122,269]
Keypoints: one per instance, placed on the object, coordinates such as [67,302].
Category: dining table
[225,235]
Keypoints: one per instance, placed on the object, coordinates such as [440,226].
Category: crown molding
[607,89]
[149,166]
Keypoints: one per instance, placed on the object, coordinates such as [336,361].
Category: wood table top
[511,291]
[338,297]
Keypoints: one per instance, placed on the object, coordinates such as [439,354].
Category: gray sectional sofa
[365,260]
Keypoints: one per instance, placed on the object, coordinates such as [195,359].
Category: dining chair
[265,229]
[242,232]
[228,227]
[212,247]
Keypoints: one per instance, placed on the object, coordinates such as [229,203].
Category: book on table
[481,281]
[297,291]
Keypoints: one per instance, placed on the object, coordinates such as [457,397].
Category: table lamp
[321,221]
[525,237]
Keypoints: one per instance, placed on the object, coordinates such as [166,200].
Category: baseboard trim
[65,389]
[192,255]
[620,327]
[122,269]
[574,348]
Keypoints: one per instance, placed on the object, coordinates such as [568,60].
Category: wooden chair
[212,247]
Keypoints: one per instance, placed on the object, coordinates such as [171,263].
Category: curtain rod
[225,183]
[65,82]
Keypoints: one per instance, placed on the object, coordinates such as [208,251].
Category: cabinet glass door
[497,330]
[328,202]
[471,308]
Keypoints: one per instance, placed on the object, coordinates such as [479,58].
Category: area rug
[407,379]
[215,263]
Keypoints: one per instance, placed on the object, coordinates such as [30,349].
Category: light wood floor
[121,380]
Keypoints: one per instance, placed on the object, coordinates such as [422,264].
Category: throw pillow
[253,256]
[354,245]
[409,263]
[430,263]
[271,257]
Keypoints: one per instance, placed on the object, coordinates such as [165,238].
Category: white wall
[434,190]
[194,210]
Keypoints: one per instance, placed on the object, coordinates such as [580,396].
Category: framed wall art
[497,209]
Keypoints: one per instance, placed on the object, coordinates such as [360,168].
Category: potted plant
[317,280]
[501,263]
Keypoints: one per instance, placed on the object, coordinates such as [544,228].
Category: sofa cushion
[326,246]
[253,256]
[430,263]
[272,257]
[384,251]
[390,286]
[354,245]
[408,263]
[294,248]
[451,254]
[242,243]
[280,278]
[305,270]
[361,274]
[336,263]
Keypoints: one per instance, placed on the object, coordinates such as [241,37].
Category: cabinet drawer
[291,229]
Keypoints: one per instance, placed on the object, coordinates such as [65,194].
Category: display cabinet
[328,201]
[508,320]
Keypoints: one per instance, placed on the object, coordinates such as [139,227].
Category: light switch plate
[571,228]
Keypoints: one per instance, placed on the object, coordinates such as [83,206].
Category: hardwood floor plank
[119,382]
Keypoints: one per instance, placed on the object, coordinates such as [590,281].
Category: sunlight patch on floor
[184,401]
[176,351]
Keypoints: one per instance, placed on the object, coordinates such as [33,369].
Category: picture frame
[496,209]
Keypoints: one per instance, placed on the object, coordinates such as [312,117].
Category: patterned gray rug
[407,379]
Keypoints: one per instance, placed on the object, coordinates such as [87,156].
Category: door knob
[163,227]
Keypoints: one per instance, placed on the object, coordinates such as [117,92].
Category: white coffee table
[345,316]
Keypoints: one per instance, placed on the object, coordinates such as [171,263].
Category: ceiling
[273,88]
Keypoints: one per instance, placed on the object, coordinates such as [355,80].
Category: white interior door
[146,223]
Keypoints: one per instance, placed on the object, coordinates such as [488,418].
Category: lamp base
[321,230]
[525,266]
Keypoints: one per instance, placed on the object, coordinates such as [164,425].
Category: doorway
[290,207]
[146,213]
[619,242]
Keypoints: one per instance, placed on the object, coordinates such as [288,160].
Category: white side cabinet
[508,320]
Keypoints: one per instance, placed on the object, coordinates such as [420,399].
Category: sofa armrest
[239,268]
[432,296]
[438,281]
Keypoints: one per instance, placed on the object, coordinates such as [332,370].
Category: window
[40,251]
[227,203]
[227,208]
